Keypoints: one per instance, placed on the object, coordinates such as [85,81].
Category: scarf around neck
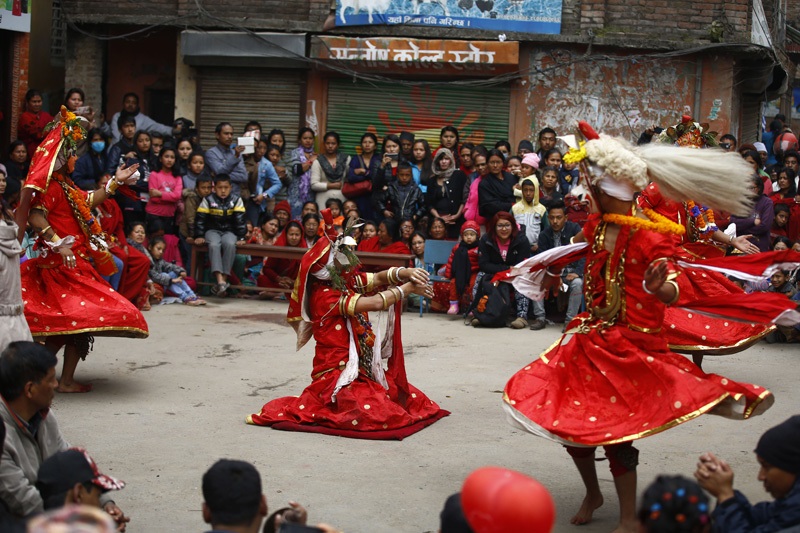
[334,174]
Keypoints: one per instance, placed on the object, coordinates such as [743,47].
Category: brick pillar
[593,14]
[83,67]
[20,79]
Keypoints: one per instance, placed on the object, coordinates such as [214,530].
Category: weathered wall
[85,59]
[623,94]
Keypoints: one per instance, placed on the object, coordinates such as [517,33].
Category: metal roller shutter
[479,114]
[752,105]
[239,95]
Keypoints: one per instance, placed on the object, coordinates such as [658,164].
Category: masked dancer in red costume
[611,378]
[702,240]
[66,300]
[351,393]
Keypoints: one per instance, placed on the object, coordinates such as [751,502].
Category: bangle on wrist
[547,272]
[402,292]
[645,289]
[677,292]
[385,302]
[42,231]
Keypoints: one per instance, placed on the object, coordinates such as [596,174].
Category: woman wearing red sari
[66,300]
[351,394]
[611,379]
[33,121]
[280,273]
[135,265]
[387,241]
[787,195]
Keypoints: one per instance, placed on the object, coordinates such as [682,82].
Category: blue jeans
[113,279]
[181,289]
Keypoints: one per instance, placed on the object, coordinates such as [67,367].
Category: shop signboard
[15,15]
[525,16]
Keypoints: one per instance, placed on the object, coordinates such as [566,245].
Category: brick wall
[84,67]
[20,80]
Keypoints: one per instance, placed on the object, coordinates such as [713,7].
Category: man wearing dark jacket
[559,233]
[220,221]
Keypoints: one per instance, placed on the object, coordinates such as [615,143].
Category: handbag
[492,304]
[356,190]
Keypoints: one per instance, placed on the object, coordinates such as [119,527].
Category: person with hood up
[445,196]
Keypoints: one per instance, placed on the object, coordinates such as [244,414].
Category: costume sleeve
[318,182]
[203,211]
[364,282]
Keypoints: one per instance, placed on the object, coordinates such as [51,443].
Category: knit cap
[780,445]
[471,225]
[532,160]
[283,206]
[525,144]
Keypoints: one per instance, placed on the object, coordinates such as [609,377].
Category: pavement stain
[257,390]
[134,367]
[271,318]
[227,350]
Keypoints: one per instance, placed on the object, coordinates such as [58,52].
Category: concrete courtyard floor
[164,409]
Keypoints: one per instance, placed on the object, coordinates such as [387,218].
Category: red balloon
[498,500]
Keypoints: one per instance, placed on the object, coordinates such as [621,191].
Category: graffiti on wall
[650,93]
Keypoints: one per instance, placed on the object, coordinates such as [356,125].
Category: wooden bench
[285,252]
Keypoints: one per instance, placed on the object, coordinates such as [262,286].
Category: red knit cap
[471,224]
[283,206]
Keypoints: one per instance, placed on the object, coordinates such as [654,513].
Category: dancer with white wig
[611,378]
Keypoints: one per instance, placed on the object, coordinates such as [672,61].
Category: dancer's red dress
[612,378]
[63,301]
[362,408]
[135,265]
[684,332]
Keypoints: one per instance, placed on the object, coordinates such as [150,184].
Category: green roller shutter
[479,114]
[238,95]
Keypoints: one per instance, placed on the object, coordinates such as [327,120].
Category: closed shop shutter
[239,95]
[751,118]
[479,114]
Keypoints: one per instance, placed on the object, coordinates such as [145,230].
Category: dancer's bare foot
[74,387]
[590,503]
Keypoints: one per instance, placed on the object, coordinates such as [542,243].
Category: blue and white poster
[526,16]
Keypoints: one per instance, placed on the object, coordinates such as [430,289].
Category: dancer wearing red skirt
[66,300]
[611,378]
[351,393]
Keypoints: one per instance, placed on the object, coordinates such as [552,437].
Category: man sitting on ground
[233,500]
[27,386]
[778,453]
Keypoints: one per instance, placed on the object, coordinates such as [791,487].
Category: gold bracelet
[112,186]
[392,276]
[42,231]
[677,291]
[55,237]
[385,302]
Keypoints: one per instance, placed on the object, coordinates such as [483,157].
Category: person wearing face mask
[92,165]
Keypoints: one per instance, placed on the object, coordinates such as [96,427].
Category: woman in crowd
[465,157]
[329,170]
[137,240]
[281,273]
[445,197]
[785,195]
[754,159]
[368,230]
[135,265]
[269,231]
[32,121]
[422,164]
[66,298]
[759,222]
[504,147]
[553,158]
[184,150]
[91,166]
[283,212]
[438,230]
[74,101]
[548,193]
[781,243]
[496,191]
[164,189]
[387,170]
[387,240]
[283,166]
[303,157]
[406,230]
[311,229]
[351,394]
[362,169]
[17,164]
[502,247]
[448,138]
[471,207]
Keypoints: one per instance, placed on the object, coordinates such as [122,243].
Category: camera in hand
[393,156]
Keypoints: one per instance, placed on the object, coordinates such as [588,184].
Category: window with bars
[58,35]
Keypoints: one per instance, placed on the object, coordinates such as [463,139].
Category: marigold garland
[88,220]
[72,131]
[700,214]
[656,222]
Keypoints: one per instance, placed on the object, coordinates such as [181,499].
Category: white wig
[711,176]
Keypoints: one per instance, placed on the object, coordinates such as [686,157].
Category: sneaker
[518,323]
[453,310]
[538,324]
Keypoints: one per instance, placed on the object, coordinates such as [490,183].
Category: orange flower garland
[656,222]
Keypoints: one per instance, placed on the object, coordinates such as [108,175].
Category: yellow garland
[576,155]
[656,222]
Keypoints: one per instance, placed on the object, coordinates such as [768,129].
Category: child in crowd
[514,166]
[778,453]
[780,282]
[529,212]
[780,224]
[335,205]
[191,201]
[462,267]
[170,276]
[164,188]
[674,504]
[402,198]
[549,195]
[136,239]
[349,205]
[196,170]
[781,243]
[268,184]
[220,221]
[368,230]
